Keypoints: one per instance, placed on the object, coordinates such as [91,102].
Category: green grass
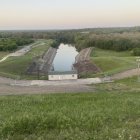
[97,116]
[131,84]
[17,66]
[113,65]
[107,53]
[111,62]
[2,54]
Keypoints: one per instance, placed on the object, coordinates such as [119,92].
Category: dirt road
[12,87]
[19,90]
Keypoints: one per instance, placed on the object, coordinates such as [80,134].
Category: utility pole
[138,63]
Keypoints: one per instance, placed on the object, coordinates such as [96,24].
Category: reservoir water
[64,58]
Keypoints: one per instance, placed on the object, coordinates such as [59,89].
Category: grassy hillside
[71,116]
[17,66]
[111,62]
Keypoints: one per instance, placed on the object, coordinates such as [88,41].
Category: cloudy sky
[63,14]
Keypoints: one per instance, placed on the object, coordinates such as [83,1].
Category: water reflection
[64,58]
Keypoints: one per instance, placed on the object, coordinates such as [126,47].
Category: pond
[65,58]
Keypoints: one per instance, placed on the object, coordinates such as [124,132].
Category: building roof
[62,72]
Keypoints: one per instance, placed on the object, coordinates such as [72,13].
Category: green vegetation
[111,41]
[96,116]
[136,51]
[10,44]
[111,112]
[112,65]
[111,62]
[2,54]
[96,52]
[131,84]
[55,44]
[118,39]
[14,67]
[114,48]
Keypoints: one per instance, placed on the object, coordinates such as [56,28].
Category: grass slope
[111,62]
[17,66]
[70,117]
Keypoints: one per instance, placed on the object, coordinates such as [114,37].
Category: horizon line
[60,29]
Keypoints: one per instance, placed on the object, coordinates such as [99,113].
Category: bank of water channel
[65,58]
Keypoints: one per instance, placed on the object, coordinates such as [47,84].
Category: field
[15,67]
[105,114]
[111,62]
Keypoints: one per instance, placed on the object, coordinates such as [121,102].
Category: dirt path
[21,52]
[19,90]
[12,87]
[125,74]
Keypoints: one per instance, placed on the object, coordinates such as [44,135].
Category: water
[64,58]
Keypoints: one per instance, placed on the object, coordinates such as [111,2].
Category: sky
[68,14]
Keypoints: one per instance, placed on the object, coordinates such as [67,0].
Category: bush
[10,44]
[136,52]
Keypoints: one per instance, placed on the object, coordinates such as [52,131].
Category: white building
[67,75]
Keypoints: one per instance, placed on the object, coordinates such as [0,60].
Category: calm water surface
[64,58]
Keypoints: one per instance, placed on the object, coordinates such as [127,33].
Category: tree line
[10,44]
[116,39]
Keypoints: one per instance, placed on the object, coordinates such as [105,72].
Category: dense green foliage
[114,41]
[61,37]
[55,44]
[136,51]
[101,116]
[117,39]
[10,44]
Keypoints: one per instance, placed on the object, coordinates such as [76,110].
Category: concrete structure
[67,75]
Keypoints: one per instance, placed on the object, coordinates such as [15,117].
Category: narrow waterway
[64,58]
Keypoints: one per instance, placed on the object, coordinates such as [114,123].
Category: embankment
[83,63]
[43,64]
